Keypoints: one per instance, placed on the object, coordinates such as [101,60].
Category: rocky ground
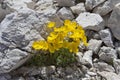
[21,22]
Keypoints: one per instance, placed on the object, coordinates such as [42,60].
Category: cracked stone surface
[17,31]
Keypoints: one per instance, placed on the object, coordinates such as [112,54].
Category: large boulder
[90,21]
[106,7]
[17,31]
[114,23]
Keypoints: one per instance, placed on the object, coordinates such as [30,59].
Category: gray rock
[55,18]
[103,9]
[107,54]
[79,56]
[4,10]
[92,35]
[106,7]
[5,77]
[17,5]
[109,75]
[102,66]
[88,57]
[116,64]
[65,2]
[79,8]
[91,21]
[17,32]
[94,45]
[91,73]
[65,13]
[106,37]
[90,4]
[13,59]
[113,22]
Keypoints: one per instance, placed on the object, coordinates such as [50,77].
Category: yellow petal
[51,24]
[37,45]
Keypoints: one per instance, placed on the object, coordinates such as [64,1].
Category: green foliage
[61,58]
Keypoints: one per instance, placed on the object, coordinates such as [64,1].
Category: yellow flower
[51,24]
[52,36]
[73,47]
[40,45]
[69,36]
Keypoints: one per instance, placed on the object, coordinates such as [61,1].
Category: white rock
[17,31]
[91,21]
[79,8]
[4,10]
[102,66]
[65,13]
[91,73]
[88,57]
[114,23]
[106,7]
[106,37]
[94,45]
[107,54]
[65,2]
[116,64]
[103,9]
[90,4]
[18,4]
[109,75]
[13,59]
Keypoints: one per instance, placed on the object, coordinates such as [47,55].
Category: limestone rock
[65,13]
[17,31]
[4,10]
[106,37]
[94,45]
[106,7]
[114,23]
[90,4]
[79,8]
[88,57]
[107,54]
[116,64]
[109,75]
[102,66]
[90,21]
[65,2]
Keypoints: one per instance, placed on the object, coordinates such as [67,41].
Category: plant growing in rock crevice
[61,44]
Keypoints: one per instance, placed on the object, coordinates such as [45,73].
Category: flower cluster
[68,36]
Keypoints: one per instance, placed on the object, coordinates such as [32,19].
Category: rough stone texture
[4,10]
[114,23]
[106,37]
[88,57]
[107,54]
[102,66]
[91,21]
[65,13]
[94,45]
[106,7]
[79,8]
[15,38]
[109,75]
[17,4]
[90,4]
[116,64]
[65,2]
